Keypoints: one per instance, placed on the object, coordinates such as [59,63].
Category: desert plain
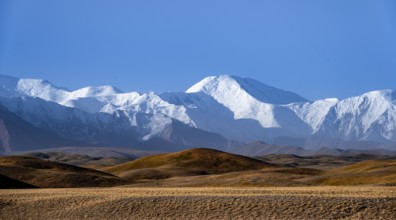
[324,202]
[198,184]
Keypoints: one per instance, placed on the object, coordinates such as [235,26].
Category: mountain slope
[216,112]
[370,116]
[219,86]
[17,134]
[246,98]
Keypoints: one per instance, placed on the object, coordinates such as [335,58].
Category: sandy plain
[315,202]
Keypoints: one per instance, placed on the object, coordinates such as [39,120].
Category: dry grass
[323,162]
[78,160]
[198,158]
[200,203]
[186,163]
[252,178]
[192,168]
[198,184]
[363,173]
[202,167]
[42,173]
[369,166]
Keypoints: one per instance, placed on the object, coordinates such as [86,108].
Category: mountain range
[221,112]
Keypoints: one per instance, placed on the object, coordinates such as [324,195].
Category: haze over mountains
[221,112]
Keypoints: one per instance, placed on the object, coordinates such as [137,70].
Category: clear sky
[319,49]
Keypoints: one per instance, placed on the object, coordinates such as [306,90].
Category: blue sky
[319,49]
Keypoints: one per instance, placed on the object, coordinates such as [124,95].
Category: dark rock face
[4,137]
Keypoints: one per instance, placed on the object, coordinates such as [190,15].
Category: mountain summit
[221,112]
[226,86]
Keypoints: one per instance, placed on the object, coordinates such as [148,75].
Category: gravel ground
[200,203]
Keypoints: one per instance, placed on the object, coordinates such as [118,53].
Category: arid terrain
[197,184]
[200,203]
[47,174]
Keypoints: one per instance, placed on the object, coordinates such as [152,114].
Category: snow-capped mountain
[369,117]
[218,112]
[246,98]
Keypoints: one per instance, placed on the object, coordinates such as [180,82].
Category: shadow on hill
[42,173]
[9,183]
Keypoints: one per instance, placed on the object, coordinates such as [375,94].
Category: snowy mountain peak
[96,91]
[237,108]
[44,89]
[15,87]
[331,100]
[208,83]
[39,88]
[386,94]
[228,85]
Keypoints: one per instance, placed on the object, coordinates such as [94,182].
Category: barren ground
[328,202]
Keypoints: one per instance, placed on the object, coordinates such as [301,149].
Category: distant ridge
[259,148]
[222,112]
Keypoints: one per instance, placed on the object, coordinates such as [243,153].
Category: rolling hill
[79,160]
[47,174]
[370,172]
[185,163]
